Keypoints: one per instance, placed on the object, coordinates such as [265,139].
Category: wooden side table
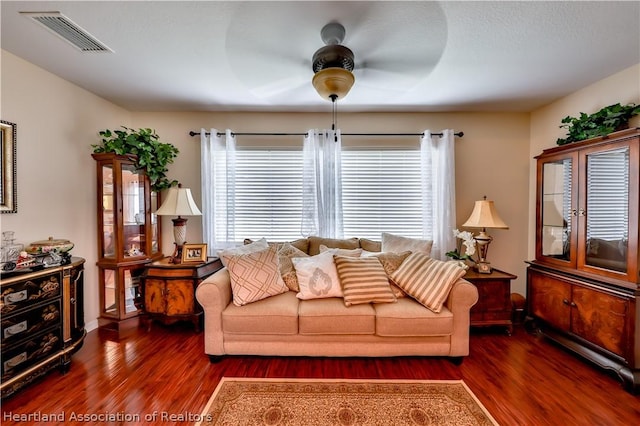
[170,290]
[494,302]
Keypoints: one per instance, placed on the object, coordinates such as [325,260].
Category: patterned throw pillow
[258,245]
[397,244]
[317,276]
[254,276]
[363,280]
[390,262]
[285,253]
[427,280]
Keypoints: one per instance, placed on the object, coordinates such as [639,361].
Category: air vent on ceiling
[64,27]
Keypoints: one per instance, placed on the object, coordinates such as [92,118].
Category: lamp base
[483,267]
[176,257]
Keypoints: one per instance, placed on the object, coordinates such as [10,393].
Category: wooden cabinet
[169,290]
[583,287]
[42,322]
[494,298]
[128,236]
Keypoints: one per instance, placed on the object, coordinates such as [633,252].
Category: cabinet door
[600,318]
[154,299]
[180,297]
[550,299]
[556,209]
[608,211]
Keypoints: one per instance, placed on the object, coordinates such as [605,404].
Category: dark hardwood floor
[521,379]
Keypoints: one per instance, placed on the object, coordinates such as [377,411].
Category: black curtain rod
[192,133]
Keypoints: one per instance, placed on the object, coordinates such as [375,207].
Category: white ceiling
[410,56]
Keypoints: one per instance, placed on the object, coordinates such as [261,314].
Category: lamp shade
[485,215]
[333,81]
[179,202]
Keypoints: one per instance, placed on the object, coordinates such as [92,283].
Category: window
[381,192]
[268,194]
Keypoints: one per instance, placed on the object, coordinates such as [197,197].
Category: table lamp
[484,215]
[178,202]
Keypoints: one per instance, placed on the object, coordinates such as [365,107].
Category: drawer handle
[16,297]
[15,329]
[565,301]
[15,361]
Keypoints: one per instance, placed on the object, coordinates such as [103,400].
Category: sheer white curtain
[218,167]
[322,184]
[437,155]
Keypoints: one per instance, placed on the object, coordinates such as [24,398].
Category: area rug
[315,402]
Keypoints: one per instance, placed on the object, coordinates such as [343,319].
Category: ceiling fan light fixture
[333,82]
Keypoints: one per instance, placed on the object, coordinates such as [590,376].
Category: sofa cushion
[331,316]
[427,280]
[370,245]
[285,253]
[363,280]
[398,244]
[314,244]
[317,276]
[274,315]
[409,318]
[255,276]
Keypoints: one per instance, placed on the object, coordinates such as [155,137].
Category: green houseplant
[153,156]
[601,123]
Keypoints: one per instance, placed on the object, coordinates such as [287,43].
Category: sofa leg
[214,359]
[456,360]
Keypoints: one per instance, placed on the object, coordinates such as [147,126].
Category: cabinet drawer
[29,322]
[29,292]
[28,353]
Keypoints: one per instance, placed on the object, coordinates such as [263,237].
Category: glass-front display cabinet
[587,208]
[583,288]
[128,235]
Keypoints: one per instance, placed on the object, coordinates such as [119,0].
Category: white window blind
[608,195]
[381,192]
[380,189]
[268,194]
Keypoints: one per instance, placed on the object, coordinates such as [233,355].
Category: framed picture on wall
[194,253]
[8,185]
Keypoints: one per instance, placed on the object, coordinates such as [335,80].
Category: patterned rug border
[225,379]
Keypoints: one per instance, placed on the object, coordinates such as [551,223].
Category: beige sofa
[283,325]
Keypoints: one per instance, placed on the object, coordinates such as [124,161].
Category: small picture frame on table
[194,253]
[483,267]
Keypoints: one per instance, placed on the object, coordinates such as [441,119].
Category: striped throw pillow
[427,280]
[363,280]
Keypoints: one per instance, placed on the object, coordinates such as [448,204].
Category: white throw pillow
[342,252]
[255,246]
[255,276]
[397,244]
[317,276]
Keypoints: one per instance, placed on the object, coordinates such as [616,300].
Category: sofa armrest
[462,297]
[214,294]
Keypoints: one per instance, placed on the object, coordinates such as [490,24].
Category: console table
[169,290]
[494,298]
[42,322]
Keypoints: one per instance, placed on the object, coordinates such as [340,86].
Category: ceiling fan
[388,49]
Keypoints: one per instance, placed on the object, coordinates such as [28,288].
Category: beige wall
[57,122]
[622,87]
[491,159]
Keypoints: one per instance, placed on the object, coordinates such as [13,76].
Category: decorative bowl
[50,246]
